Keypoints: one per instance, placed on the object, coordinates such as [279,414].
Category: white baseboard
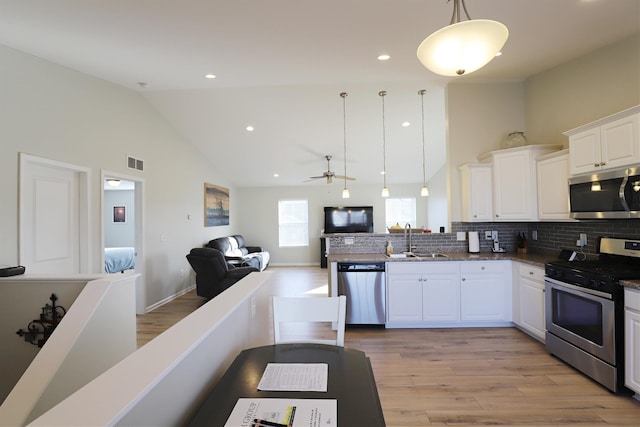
[170,298]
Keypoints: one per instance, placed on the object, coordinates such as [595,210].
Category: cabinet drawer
[426,267]
[482,267]
[632,299]
[533,273]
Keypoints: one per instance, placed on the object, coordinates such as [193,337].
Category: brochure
[250,412]
[294,377]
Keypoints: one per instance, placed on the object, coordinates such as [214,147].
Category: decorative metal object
[49,319]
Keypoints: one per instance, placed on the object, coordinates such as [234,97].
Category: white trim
[141,287]
[170,298]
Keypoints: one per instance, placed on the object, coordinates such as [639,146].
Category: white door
[52,217]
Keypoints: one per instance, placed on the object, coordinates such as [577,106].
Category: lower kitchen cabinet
[448,293]
[530,310]
[485,292]
[632,339]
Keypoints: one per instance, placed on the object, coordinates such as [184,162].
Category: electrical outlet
[460,236]
[487,235]
[494,235]
[348,240]
[583,237]
[534,235]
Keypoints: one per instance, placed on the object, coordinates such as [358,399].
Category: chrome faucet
[410,245]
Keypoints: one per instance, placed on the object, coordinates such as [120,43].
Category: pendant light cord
[424,172]
[382,94]
[344,122]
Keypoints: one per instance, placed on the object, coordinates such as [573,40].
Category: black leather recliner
[213,273]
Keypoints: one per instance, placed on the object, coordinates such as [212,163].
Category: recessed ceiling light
[383,57]
[249,128]
[382,173]
[406,124]
[275,175]
[210,76]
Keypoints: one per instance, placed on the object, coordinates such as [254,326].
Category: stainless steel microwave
[610,194]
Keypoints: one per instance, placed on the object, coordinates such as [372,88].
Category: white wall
[583,90]
[164,382]
[57,113]
[119,234]
[258,213]
[480,117]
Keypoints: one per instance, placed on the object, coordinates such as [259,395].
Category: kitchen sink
[426,255]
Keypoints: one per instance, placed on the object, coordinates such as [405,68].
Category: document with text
[294,377]
[268,412]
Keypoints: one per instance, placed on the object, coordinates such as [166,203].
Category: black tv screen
[348,219]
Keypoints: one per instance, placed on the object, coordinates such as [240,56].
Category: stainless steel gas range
[585,310]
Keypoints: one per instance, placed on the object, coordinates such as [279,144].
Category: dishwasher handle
[360,268]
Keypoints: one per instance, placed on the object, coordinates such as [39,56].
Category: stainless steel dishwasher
[364,286]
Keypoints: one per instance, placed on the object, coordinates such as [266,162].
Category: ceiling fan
[329,174]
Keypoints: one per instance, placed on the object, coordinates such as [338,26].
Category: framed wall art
[119,214]
[216,205]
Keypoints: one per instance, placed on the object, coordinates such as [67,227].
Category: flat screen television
[348,219]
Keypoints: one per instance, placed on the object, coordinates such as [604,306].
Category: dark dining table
[350,381]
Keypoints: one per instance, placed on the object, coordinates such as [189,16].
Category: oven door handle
[579,288]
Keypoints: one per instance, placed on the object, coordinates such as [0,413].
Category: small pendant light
[345,191]
[385,190]
[425,191]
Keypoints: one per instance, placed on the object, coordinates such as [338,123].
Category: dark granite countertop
[633,284]
[537,260]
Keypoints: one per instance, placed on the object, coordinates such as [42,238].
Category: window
[293,223]
[400,211]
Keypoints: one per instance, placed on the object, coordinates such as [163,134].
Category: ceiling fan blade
[317,177]
[344,177]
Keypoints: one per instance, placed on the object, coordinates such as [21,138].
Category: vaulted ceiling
[280,66]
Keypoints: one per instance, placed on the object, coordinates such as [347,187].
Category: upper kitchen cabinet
[514,181]
[477,192]
[553,188]
[608,143]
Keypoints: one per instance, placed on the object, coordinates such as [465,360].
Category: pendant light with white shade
[424,192]
[385,190]
[462,47]
[345,191]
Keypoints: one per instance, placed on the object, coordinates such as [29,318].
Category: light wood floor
[460,377]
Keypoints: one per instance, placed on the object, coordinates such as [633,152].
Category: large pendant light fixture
[462,47]
[385,190]
[425,191]
[345,191]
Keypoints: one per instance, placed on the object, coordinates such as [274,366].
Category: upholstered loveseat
[238,253]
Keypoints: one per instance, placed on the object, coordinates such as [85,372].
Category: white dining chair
[310,310]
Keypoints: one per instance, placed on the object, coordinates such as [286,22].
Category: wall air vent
[133,163]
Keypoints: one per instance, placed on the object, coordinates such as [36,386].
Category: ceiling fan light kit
[462,47]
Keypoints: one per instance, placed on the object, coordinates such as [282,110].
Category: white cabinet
[477,192]
[552,173]
[423,291]
[485,292]
[632,339]
[530,301]
[514,181]
[441,292]
[608,143]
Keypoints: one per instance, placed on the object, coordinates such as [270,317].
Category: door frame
[85,235]
[141,289]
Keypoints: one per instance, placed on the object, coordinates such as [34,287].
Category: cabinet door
[404,298]
[584,152]
[553,188]
[512,187]
[485,291]
[620,142]
[632,350]
[532,307]
[441,298]
[477,192]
